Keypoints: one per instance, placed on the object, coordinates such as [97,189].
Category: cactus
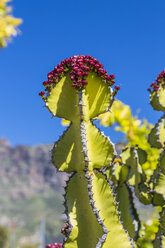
[79,89]
[103,190]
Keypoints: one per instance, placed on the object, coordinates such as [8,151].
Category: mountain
[31,191]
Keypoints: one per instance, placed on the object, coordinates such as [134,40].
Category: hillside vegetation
[30,192]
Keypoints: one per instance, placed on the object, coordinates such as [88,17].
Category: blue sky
[127,37]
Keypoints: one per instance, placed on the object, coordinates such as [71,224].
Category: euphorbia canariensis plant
[101,193]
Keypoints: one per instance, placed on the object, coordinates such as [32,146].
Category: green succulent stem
[103,190]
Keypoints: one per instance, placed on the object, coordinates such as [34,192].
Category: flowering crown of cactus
[78,68]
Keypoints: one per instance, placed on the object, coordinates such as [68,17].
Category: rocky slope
[26,170]
[30,190]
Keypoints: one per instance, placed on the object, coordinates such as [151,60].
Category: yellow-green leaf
[63,100]
[97,96]
[67,154]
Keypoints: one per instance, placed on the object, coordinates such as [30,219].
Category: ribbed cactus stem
[79,89]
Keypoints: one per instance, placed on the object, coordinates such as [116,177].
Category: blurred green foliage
[4,235]
[136,131]
[8,23]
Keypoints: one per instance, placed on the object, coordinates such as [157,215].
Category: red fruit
[79,61]
[84,82]
[161,75]
[72,77]
[73,73]
[156,87]
[81,64]
[117,88]
[67,60]
[108,78]
[59,70]
[79,74]
[81,57]
[153,84]
[91,63]
[112,76]
[84,73]
[45,83]
[55,75]
[97,66]
[158,81]
[50,76]
[86,68]
[50,73]
[95,60]
[101,71]
[88,57]
[63,230]
[67,226]
[76,68]
[73,64]
[86,60]
[41,93]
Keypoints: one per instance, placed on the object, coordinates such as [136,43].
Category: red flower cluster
[78,66]
[55,245]
[159,81]
[161,77]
